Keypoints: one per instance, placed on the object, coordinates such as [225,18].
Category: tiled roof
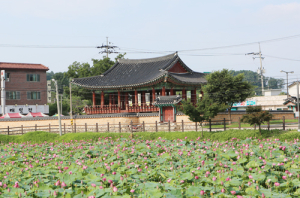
[137,72]
[160,100]
[4,65]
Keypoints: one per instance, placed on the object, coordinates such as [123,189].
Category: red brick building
[25,84]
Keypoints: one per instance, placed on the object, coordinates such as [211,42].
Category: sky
[208,35]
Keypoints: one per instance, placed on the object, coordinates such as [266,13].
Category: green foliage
[282,93]
[255,115]
[255,79]
[39,136]
[224,88]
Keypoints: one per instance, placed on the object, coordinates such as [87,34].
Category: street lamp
[58,109]
[287,82]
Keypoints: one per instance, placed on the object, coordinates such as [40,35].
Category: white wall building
[293,89]
[272,92]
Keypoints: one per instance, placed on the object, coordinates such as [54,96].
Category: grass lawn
[40,136]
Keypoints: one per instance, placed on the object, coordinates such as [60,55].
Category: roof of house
[4,65]
[138,72]
[163,100]
[293,83]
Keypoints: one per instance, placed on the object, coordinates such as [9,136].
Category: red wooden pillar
[94,98]
[126,101]
[193,94]
[153,95]
[102,99]
[184,94]
[136,97]
[163,91]
[172,92]
[119,98]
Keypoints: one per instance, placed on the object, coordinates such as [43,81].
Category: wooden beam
[94,98]
[102,99]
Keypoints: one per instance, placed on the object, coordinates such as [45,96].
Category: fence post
[49,128]
[108,127]
[35,127]
[75,127]
[224,124]
[97,127]
[240,123]
[143,126]
[7,130]
[196,127]
[85,127]
[254,126]
[182,126]
[209,125]
[156,126]
[169,126]
[22,129]
[268,125]
[64,128]
[283,122]
[119,127]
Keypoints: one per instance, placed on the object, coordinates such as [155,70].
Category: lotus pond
[151,168]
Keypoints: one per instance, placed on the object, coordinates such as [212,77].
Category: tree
[255,79]
[255,115]
[205,109]
[224,88]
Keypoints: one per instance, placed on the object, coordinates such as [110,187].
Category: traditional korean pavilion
[134,85]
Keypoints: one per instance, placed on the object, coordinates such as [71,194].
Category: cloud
[289,11]
[59,9]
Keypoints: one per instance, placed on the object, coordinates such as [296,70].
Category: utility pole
[108,49]
[61,96]
[71,113]
[287,82]
[58,110]
[260,70]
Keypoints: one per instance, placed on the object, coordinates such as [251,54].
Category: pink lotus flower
[202,192]
[16,184]
[214,178]
[93,185]
[169,180]
[196,177]
[250,177]
[132,190]
[70,173]
[223,190]
[63,184]
[114,173]
[263,195]
[101,187]
[284,177]
[233,192]
[239,196]
[57,183]
[277,184]
[91,197]
[84,167]
[115,189]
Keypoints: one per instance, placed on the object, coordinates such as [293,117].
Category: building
[293,89]
[266,102]
[24,88]
[272,92]
[134,85]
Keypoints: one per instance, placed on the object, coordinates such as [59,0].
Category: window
[33,95]
[7,75]
[33,77]
[12,95]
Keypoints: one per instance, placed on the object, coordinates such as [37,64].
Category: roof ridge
[146,60]
[22,63]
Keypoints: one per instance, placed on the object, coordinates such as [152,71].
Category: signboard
[245,103]
[147,95]
[139,99]
[23,109]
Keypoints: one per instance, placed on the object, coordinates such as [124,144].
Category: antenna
[108,49]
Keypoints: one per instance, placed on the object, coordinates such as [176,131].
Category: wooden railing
[134,108]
